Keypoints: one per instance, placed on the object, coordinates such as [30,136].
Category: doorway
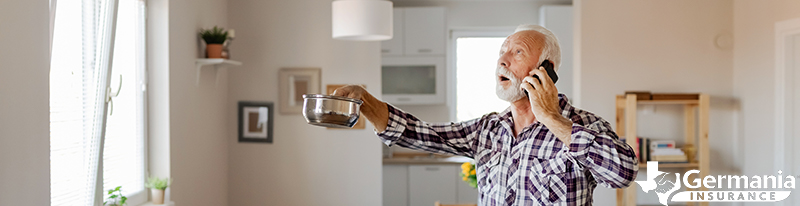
[787,104]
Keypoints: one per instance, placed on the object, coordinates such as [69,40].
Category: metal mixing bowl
[331,111]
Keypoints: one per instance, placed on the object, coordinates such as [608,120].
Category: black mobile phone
[548,66]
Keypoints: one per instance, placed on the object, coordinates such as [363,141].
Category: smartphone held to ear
[548,66]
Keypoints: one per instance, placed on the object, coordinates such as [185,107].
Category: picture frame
[329,89]
[293,83]
[255,121]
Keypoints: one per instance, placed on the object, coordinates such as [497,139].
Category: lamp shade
[362,20]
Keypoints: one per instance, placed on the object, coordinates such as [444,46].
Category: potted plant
[157,187]
[214,39]
[115,197]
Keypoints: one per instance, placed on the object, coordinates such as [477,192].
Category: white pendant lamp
[362,20]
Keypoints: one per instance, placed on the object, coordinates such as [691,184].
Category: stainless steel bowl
[331,111]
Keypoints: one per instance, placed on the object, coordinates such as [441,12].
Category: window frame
[452,70]
[141,96]
[139,197]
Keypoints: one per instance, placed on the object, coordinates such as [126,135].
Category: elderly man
[539,151]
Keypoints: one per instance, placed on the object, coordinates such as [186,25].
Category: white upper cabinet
[424,31]
[417,31]
[394,46]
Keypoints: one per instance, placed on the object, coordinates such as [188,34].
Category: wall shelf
[217,63]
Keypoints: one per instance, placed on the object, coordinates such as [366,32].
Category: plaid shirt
[535,168]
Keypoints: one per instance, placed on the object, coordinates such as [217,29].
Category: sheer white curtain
[80,59]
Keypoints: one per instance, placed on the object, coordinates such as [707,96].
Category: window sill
[151,204]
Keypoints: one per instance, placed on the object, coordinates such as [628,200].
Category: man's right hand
[375,110]
[351,91]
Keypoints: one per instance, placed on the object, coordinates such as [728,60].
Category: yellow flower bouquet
[468,174]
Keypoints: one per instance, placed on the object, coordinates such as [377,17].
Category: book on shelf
[662,144]
[641,149]
[668,154]
[663,151]
[666,151]
[638,148]
[670,158]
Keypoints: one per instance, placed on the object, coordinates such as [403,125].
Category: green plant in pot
[115,197]
[157,187]
[214,39]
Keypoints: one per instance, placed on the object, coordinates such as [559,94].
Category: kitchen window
[84,72]
[476,54]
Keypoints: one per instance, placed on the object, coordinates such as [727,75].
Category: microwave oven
[413,80]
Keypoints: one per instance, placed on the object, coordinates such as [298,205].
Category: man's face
[518,56]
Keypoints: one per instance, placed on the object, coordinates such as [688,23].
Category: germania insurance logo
[766,188]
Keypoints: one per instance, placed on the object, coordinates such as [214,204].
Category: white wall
[754,77]
[187,121]
[559,20]
[660,46]
[305,165]
[24,103]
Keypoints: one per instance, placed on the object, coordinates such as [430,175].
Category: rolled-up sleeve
[405,130]
[597,148]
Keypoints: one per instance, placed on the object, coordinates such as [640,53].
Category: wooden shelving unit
[695,123]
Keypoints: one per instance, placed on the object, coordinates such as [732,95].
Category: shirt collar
[563,102]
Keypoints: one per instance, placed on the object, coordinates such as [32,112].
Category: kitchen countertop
[426,160]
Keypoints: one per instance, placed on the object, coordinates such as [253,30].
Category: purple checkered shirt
[535,168]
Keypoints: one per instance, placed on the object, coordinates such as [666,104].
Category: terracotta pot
[157,196]
[214,51]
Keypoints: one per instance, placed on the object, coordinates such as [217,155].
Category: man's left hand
[543,97]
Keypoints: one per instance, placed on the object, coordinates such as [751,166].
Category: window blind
[123,156]
[78,82]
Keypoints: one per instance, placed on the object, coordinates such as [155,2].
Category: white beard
[513,92]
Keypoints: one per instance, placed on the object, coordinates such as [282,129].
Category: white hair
[550,49]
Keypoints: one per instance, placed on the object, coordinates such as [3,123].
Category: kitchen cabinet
[394,46]
[417,31]
[395,185]
[413,64]
[424,184]
[464,192]
[430,183]
[424,31]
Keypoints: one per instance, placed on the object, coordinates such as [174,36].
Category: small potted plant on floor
[157,187]
[214,39]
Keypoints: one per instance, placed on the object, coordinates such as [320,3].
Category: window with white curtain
[476,54]
[82,75]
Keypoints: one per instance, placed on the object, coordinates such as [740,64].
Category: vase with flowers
[468,174]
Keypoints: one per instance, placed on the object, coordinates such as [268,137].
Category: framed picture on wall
[255,121]
[293,83]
